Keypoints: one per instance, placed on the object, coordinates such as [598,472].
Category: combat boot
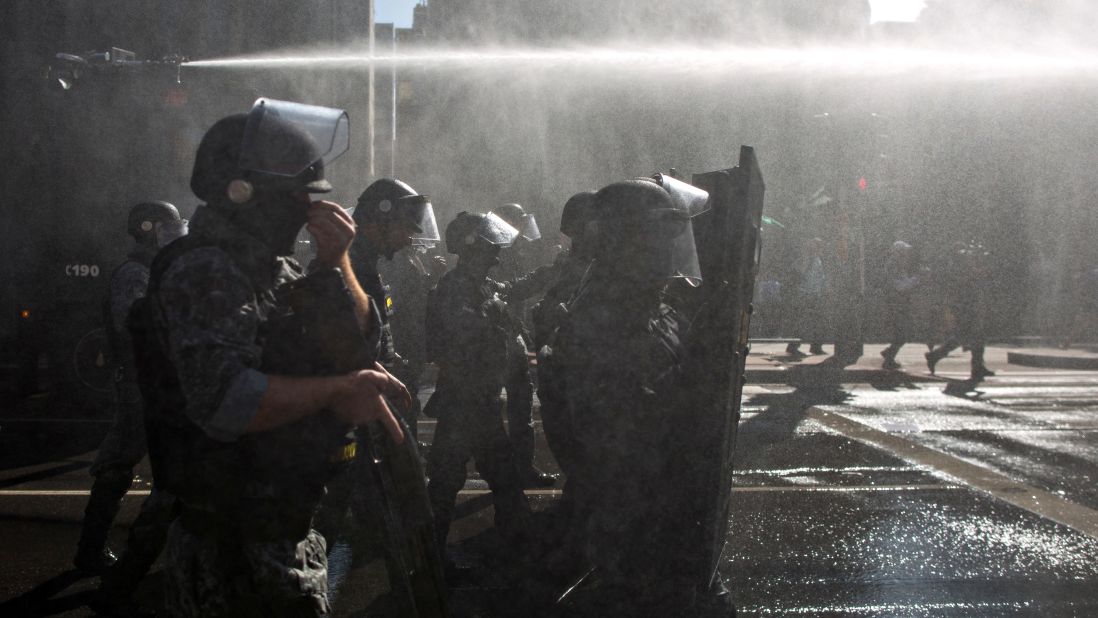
[92,555]
[537,479]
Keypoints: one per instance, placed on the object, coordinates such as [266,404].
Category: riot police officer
[468,334]
[152,225]
[390,216]
[579,211]
[618,360]
[247,418]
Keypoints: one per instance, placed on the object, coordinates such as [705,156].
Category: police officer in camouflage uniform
[242,428]
[152,225]
[468,334]
[616,363]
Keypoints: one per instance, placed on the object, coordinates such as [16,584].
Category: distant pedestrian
[810,306]
[901,288]
[965,274]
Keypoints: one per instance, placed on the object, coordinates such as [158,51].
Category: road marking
[49,493]
[61,493]
[67,421]
[764,489]
[1037,501]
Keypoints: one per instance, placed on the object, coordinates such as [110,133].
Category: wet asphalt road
[857,493]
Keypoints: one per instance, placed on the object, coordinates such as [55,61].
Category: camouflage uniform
[124,445]
[243,544]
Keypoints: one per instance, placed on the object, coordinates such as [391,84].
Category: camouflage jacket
[213,298]
[128,283]
[208,309]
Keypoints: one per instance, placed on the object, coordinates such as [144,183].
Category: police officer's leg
[520,404]
[121,450]
[497,465]
[148,534]
[446,462]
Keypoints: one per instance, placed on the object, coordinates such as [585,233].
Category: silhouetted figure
[964,278]
[901,287]
[811,309]
[469,334]
[152,225]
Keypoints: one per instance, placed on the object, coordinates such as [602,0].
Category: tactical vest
[264,485]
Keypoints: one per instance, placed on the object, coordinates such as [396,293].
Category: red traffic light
[862,184]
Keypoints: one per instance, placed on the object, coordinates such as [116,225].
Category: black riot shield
[419,589]
[728,244]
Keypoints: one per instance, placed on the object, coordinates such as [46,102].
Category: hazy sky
[400,11]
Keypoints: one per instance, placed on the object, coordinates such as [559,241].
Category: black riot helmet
[278,146]
[578,211]
[518,218]
[473,232]
[388,199]
[254,166]
[155,223]
[643,230]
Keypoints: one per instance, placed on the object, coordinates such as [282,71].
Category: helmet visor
[686,197]
[673,252]
[530,229]
[285,138]
[496,231]
[422,216]
[657,245]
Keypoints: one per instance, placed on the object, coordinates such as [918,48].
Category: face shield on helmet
[645,230]
[288,140]
[423,217]
[518,218]
[495,231]
[529,229]
[168,231]
[471,231]
[686,196]
[388,199]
